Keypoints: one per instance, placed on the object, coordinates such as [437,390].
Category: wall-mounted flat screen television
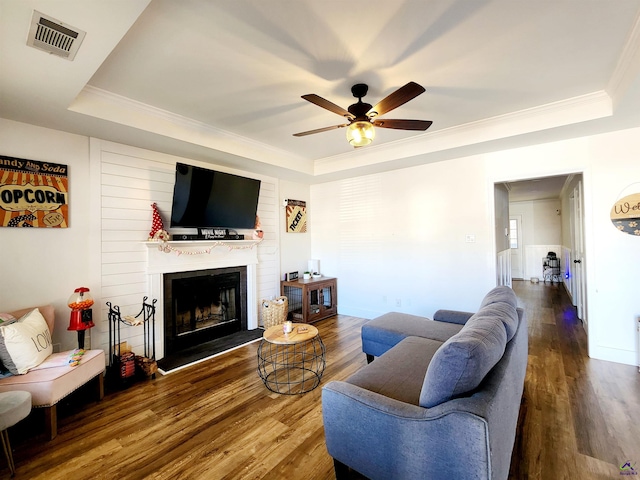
[204,198]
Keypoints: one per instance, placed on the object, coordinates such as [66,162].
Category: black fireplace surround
[203,305]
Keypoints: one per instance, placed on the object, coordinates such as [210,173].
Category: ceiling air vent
[54,37]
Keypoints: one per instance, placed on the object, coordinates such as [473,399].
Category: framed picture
[296,216]
[33,194]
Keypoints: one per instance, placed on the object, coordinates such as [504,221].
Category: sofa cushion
[500,294]
[399,373]
[385,331]
[506,313]
[462,362]
[26,343]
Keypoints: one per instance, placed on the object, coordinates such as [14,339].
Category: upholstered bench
[54,378]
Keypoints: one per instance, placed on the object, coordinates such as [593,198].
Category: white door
[515,242]
[578,266]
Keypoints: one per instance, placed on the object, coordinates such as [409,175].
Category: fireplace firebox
[203,305]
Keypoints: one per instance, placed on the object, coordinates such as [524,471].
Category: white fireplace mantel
[185,256]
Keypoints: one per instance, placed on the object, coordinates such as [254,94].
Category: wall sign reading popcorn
[33,193]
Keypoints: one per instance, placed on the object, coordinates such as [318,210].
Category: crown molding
[100,103]
[627,67]
[552,115]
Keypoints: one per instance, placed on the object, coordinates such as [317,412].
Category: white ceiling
[221,81]
[536,188]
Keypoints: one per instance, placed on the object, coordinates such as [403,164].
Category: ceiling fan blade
[319,130]
[403,124]
[332,107]
[401,96]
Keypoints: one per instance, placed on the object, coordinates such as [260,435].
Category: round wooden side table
[291,363]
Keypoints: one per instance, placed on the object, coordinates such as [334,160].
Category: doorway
[552,203]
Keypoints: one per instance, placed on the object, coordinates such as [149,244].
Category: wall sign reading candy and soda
[33,194]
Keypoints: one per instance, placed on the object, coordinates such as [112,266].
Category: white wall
[612,257]
[541,232]
[396,240]
[45,265]
[541,224]
[401,234]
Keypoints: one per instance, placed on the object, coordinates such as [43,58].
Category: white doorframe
[578,266]
[517,262]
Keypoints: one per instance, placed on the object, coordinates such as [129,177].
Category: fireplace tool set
[123,363]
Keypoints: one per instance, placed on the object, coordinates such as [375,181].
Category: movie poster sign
[296,216]
[33,193]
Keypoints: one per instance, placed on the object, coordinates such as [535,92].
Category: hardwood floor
[216,420]
[579,416]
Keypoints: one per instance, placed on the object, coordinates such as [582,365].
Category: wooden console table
[311,300]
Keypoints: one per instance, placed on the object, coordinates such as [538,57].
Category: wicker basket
[274,312]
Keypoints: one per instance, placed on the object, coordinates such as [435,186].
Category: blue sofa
[440,401]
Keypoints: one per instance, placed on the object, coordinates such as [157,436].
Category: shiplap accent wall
[129,181]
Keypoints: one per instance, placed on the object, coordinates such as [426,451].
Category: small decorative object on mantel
[157,226]
[258,233]
[625,214]
[33,193]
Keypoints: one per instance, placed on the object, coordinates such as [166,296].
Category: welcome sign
[625,214]
[33,193]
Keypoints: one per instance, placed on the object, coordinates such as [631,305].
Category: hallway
[580,417]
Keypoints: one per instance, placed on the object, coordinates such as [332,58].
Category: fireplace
[203,305]
[193,257]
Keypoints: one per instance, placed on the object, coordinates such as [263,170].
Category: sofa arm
[384,438]
[452,316]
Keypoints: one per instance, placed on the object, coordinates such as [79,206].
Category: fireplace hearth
[204,305]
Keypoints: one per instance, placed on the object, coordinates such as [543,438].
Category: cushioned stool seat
[14,406]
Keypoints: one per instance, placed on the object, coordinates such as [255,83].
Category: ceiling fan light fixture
[360,133]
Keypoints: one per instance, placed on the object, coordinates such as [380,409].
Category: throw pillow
[463,361]
[26,343]
[500,294]
[5,319]
[506,313]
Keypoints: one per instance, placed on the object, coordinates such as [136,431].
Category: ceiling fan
[363,117]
